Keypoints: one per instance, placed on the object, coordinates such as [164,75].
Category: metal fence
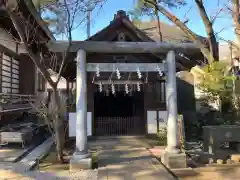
[14,102]
[119,126]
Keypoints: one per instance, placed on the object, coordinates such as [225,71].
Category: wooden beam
[125,67]
[123,47]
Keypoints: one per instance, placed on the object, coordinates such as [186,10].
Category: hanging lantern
[138,87]
[139,73]
[118,73]
[126,89]
[113,89]
[97,71]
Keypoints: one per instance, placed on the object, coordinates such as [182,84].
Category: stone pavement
[127,159]
[37,175]
[118,159]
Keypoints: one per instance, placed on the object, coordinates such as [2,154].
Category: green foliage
[162,139]
[63,16]
[135,16]
[144,8]
[147,8]
[217,81]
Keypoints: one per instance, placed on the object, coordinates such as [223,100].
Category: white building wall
[72,124]
[152,121]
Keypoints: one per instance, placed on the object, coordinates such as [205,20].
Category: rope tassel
[159,71]
[97,71]
[118,73]
[139,73]
[100,87]
[138,87]
[126,89]
[113,89]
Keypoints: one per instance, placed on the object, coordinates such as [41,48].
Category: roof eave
[38,18]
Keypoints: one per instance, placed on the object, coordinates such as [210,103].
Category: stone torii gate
[81,157]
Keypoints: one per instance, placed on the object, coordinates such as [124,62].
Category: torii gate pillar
[81,159]
[172,156]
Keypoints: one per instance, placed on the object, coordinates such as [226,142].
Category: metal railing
[118,126]
[15,102]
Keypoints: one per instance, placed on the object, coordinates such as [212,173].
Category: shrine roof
[120,19]
[145,31]
[26,7]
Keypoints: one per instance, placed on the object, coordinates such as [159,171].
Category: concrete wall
[152,121]
[72,124]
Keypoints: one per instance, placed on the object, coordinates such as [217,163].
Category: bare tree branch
[69,30]
[35,58]
[185,29]
[230,43]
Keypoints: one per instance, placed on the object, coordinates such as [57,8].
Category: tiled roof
[170,33]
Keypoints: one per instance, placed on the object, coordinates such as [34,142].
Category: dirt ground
[218,172]
[51,163]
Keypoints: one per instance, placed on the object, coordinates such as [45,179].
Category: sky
[101,17]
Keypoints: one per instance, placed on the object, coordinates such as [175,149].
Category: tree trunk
[159,25]
[213,45]
[58,125]
[236,19]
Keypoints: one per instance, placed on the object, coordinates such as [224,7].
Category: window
[160,91]
[9,74]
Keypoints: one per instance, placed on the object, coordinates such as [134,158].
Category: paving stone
[134,162]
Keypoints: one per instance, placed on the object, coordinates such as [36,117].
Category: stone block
[206,158]
[79,163]
[229,161]
[219,161]
[174,161]
[210,161]
[235,157]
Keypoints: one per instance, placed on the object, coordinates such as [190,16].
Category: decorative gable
[120,29]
